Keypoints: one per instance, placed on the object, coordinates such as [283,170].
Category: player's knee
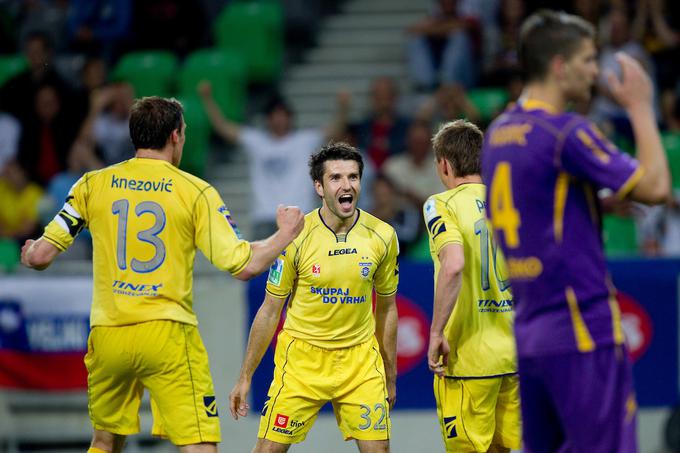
[206,447]
[107,442]
[267,446]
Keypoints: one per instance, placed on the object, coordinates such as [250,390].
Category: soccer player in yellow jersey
[472,349]
[333,347]
[147,218]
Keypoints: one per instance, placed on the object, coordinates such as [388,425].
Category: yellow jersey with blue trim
[479,330]
[147,218]
[329,280]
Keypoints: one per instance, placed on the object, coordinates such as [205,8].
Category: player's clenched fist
[634,87]
[290,219]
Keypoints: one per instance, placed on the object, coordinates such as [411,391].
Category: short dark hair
[333,151]
[277,102]
[152,120]
[546,34]
[460,143]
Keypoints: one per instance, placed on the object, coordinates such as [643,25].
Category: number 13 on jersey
[120,208]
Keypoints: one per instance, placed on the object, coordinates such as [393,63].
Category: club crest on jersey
[227,215]
[365,267]
[316,270]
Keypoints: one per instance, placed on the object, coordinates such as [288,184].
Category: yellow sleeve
[217,235]
[442,224]
[72,218]
[282,273]
[386,277]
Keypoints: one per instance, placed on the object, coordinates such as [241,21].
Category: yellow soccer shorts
[306,377]
[476,413]
[167,358]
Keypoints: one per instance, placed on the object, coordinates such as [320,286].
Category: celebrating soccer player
[332,347]
[543,168]
[147,218]
[472,350]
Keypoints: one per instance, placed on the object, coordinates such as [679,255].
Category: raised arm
[225,128]
[449,282]
[290,221]
[261,333]
[337,126]
[634,93]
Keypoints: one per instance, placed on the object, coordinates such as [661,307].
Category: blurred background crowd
[270,81]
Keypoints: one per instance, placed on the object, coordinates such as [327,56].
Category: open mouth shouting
[346,202]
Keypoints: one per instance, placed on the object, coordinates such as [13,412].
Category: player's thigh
[373,446]
[467,412]
[542,428]
[114,392]
[268,446]
[175,368]
[360,403]
[508,432]
[596,401]
[300,386]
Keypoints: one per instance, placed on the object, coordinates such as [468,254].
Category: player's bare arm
[261,333]
[38,254]
[290,221]
[225,128]
[386,321]
[447,288]
[634,93]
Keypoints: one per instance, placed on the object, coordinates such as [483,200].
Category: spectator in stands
[660,228]
[389,207]
[278,155]
[10,131]
[17,95]
[662,38]
[501,60]
[412,172]
[105,131]
[617,38]
[177,25]
[48,17]
[47,139]
[383,131]
[449,103]
[440,48]
[19,201]
[99,26]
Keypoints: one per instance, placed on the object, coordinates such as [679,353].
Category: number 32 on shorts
[378,414]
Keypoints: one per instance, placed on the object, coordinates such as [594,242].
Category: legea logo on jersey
[450,427]
[210,406]
[316,270]
[348,251]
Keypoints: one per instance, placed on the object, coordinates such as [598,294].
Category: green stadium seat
[671,142]
[624,144]
[197,136]
[620,235]
[227,73]
[489,101]
[254,30]
[11,65]
[151,73]
[10,255]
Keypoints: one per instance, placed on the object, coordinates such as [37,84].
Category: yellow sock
[96,450]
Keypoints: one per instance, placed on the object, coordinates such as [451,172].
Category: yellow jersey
[330,280]
[147,218]
[479,330]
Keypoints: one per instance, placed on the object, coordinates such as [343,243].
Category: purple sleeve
[587,154]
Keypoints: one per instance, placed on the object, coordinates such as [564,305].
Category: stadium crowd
[66,111]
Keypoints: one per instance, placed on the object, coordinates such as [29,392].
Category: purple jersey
[543,170]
